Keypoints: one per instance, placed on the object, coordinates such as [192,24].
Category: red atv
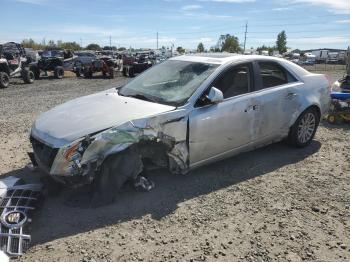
[135,65]
[106,65]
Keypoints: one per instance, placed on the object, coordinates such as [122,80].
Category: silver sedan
[181,114]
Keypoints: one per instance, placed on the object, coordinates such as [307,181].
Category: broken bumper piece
[17,200]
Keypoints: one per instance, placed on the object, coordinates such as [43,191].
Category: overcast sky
[308,23]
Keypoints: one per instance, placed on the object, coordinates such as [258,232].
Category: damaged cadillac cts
[181,114]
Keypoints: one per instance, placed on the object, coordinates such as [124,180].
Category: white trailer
[321,55]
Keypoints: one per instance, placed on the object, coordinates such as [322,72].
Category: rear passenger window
[272,74]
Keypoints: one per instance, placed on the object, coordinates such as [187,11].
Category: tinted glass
[272,74]
[235,81]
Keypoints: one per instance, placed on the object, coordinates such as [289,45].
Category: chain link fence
[325,67]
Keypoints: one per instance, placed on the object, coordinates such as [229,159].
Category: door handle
[291,95]
[252,107]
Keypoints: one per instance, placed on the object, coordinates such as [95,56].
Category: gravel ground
[273,204]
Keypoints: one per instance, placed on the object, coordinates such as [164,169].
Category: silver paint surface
[196,135]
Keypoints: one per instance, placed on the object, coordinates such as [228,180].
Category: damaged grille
[44,153]
[13,239]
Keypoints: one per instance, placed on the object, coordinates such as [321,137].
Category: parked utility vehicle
[54,60]
[14,63]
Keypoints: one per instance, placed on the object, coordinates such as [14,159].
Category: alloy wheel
[306,127]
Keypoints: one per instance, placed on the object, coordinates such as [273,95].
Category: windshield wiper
[141,97]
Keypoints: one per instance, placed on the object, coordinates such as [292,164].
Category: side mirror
[215,95]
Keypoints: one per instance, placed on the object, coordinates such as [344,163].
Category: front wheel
[59,72]
[4,80]
[28,76]
[304,129]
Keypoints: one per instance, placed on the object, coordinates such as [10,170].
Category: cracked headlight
[69,157]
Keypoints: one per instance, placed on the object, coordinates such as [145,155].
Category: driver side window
[235,81]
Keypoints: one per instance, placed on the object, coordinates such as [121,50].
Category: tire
[4,80]
[131,72]
[28,76]
[304,128]
[78,69]
[36,73]
[114,172]
[78,72]
[334,119]
[111,72]
[59,72]
[87,73]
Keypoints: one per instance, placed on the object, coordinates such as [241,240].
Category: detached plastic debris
[17,200]
[143,183]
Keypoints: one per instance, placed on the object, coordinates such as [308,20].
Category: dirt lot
[273,204]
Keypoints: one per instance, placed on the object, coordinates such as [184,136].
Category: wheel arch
[296,116]
[4,68]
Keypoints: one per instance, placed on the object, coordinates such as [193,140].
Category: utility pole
[110,42]
[245,36]
[157,40]
[81,43]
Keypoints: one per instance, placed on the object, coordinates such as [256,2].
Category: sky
[135,23]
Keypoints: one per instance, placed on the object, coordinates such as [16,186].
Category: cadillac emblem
[13,219]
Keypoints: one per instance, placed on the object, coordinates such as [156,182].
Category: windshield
[171,82]
[52,53]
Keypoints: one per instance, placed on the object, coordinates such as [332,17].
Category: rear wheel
[334,119]
[4,80]
[87,73]
[59,72]
[28,76]
[111,72]
[78,68]
[304,129]
[36,72]
[131,72]
[78,72]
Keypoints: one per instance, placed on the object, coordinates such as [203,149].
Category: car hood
[89,114]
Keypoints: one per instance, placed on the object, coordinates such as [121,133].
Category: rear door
[275,100]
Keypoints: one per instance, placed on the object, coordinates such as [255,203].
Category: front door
[216,129]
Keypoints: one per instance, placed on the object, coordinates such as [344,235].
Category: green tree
[229,43]
[270,49]
[69,45]
[200,47]
[114,48]
[93,46]
[180,50]
[30,43]
[281,42]
[51,43]
[121,48]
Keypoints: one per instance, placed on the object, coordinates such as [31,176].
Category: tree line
[226,43]
[30,43]
[230,43]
